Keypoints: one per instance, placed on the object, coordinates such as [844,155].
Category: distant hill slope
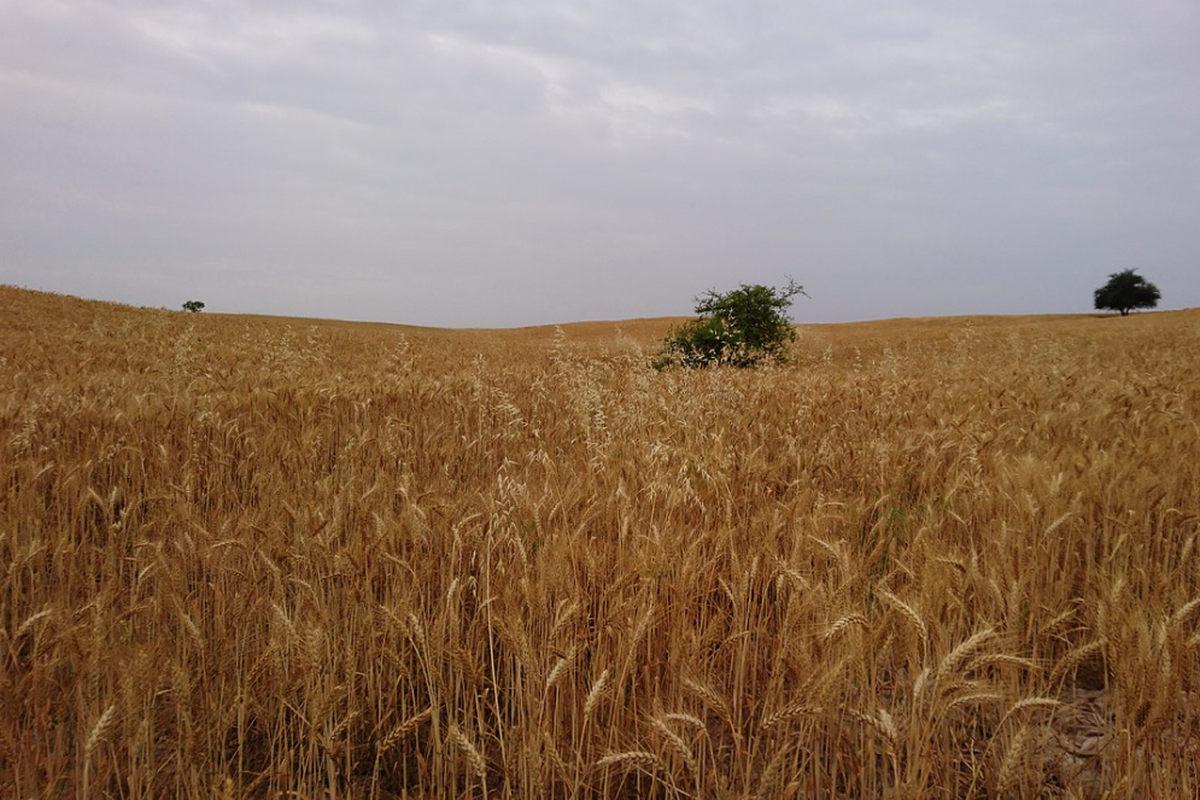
[70,308]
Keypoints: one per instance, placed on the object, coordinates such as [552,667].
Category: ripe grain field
[253,557]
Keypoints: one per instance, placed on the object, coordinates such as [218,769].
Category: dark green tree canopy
[1125,291]
[193,306]
[740,328]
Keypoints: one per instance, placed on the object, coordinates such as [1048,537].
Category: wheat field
[255,557]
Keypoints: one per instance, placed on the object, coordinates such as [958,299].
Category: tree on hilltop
[1125,291]
[193,305]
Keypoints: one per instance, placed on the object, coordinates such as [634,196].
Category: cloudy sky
[531,161]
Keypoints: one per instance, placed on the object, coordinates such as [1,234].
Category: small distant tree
[194,306]
[1125,291]
[740,328]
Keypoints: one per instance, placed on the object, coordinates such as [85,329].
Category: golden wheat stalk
[710,698]
[789,713]
[842,623]
[95,739]
[910,614]
[99,731]
[594,695]
[405,728]
[1014,758]
[641,759]
[690,720]
[1068,663]
[470,752]
[955,658]
[1003,660]
[1180,616]
[676,743]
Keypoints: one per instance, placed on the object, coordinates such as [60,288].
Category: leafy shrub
[739,328]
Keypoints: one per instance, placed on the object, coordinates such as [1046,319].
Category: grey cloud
[527,162]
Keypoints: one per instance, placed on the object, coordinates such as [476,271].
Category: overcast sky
[535,161]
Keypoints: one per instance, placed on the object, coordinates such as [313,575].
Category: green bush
[739,328]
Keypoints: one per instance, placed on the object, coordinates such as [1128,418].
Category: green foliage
[740,328]
[193,305]
[1126,290]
